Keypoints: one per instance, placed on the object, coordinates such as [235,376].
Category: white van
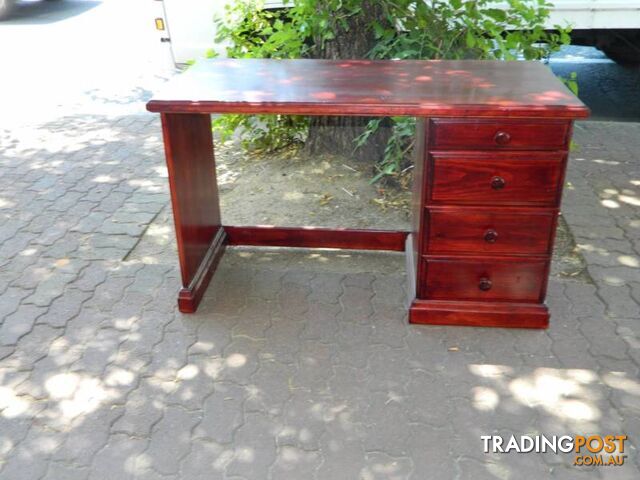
[613,26]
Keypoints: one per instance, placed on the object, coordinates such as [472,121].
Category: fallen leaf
[325,199]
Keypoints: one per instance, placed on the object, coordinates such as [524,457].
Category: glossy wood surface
[529,178]
[479,314]
[489,231]
[418,199]
[369,88]
[314,237]
[511,278]
[490,161]
[194,198]
[488,213]
[500,135]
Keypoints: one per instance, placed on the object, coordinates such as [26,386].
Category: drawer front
[480,231]
[501,134]
[483,279]
[501,180]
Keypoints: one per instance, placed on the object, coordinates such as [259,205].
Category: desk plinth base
[479,314]
[189,297]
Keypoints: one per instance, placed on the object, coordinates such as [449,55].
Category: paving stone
[270,389]
[87,435]
[618,300]
[57,471]
[91,222]
[286,371]
[19,323]
[12,432]
[24,463]
[99,352]
[192,388]
[254,447]
[321,324]
[37,344]
[169,443]
[143,409]
[241,360]
[65,307]
[139,342]
[49,289]
[303,421]
[292,462]
[120,459]
[10,300]
[206,461]
[222,414]
[386,421]
[343,455]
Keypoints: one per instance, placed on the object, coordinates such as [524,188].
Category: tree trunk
[336,135]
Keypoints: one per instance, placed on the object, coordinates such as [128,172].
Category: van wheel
[622,56]
[624,49]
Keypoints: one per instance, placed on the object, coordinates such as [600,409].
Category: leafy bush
[407,29]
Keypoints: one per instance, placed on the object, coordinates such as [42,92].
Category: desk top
[369,88]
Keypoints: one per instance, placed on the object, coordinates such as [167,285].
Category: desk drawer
[498,134]
[482,231]
[503,179]
[483,278]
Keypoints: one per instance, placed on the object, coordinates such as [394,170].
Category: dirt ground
[292,189]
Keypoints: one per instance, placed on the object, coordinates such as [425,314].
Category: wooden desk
[492,141]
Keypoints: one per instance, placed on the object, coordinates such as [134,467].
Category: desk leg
[194,197]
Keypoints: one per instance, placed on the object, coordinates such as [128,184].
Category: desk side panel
[420,175]
[194,192]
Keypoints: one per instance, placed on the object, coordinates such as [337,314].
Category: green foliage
[571,82]
[265,133]
[464,29]
[407,29]
[251,32]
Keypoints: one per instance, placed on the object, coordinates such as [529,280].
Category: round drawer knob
[490,236]
[498,183]
[502,138]
[485,284]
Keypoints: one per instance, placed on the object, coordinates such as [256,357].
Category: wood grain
[314,237]
[486,134]
[490,156]
[530,178]
[519,279]
[194,198]
[489,231]
[479,314]
[418,88]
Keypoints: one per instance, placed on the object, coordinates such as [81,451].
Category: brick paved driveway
[299,364]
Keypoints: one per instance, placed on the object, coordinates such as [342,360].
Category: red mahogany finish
[479,314]
[489,231]
[483,278]
[491,149]
[500,135]
[194,197]
[484,178]
[314,237]
[417,88]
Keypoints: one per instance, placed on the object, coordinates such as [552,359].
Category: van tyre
[624,49]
